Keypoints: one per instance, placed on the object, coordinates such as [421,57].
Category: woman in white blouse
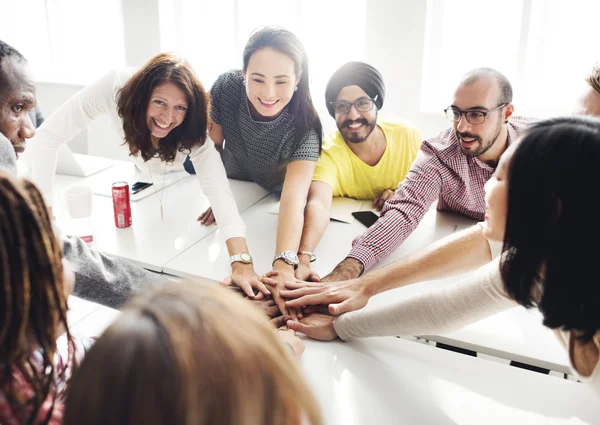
[537,201]
[161,115]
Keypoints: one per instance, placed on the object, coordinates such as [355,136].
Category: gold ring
[263,276]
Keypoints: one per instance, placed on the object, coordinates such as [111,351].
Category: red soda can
[121,204]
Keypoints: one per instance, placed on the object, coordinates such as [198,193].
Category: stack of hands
[302,302]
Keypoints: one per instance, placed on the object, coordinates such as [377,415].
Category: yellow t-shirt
[349,176]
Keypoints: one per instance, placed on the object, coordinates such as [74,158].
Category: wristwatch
[244,257]
[289,257]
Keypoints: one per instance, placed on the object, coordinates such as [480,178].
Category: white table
[390,381]
[394,381]
[516,334]
[150,241]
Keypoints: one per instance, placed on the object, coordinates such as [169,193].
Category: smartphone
[139,186]
[368,218]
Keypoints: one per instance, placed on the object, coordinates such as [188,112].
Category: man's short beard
[356,138]
[485,145]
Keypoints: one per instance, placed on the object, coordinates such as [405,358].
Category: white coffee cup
[78,201]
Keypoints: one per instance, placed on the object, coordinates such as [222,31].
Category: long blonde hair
[190,354]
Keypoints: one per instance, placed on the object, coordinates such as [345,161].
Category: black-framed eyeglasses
[364,104]
[473,117]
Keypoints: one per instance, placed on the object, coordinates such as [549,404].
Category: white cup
[78,201]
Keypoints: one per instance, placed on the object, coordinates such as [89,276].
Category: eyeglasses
[364,104]
[473,117]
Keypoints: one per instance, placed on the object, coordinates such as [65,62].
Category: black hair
[301,105]
[7,51]
[550,250]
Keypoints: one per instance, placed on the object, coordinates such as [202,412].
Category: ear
[508,111]
[299,77]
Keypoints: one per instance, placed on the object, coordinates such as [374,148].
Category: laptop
[74,164]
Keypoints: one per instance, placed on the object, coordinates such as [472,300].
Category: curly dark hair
[133,99]
[549,259]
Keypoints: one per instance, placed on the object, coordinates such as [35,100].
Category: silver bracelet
[313,257]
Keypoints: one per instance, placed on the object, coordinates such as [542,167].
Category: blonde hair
[593,78]
[190,353]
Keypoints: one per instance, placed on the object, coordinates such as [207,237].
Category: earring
[296,88]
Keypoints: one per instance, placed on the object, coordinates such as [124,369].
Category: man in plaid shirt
[451,168]
[457,253]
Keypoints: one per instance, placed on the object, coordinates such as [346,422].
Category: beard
[352,137]
[484,144]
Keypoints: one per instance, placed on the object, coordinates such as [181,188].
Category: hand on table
[341,297]
[244,276]
[280,279]
[269,308]
[288,336]
[380,200]
[316,326]
[207,217]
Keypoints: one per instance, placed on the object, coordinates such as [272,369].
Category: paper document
[341,208]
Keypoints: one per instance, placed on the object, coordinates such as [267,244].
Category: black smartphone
[368,218]
[138,186]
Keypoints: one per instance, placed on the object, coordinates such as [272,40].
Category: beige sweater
[440,311]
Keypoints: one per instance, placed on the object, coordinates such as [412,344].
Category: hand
[380,200]
[268,307]
[288,336]
[244,276]
[304,273]
[280,278]
[342,297]
[207,217]
[316,326]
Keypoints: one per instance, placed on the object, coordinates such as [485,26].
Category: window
[544,47]
[73,41]
[212,35]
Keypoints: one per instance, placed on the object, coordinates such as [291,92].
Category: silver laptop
[74,164]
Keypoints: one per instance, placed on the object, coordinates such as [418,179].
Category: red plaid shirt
[440,171]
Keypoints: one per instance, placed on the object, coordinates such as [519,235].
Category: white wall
[394,45]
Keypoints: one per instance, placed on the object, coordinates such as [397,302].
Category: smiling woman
[161,114]
[268,131]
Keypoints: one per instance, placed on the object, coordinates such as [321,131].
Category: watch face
[245,257]
[291,258]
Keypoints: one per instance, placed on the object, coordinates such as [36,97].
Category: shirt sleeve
[213,180]
[308,150]
[434,312]
[401,215]
[326,171]
[63,125]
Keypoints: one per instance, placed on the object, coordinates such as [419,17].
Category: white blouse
[99,99]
